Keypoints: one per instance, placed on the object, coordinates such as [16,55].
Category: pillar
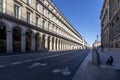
[33,42]
[50,44]
[54,44]
[9,41]
[40,42]
[23,42]
[46,43]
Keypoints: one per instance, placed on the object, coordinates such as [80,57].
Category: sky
[84,15]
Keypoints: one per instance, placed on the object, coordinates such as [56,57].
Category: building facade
[35,25]
[110,25]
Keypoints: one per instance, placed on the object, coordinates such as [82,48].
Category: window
[28,2]
[43,12]
[28,17]
[16,11]
[48,26]
[1,5]
[43,0]
[48,15]
[37,20]
[37,6]
[43,25]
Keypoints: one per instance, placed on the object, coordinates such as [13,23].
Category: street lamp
[97,42]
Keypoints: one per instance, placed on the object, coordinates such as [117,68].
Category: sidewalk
[89,71]
[104,55]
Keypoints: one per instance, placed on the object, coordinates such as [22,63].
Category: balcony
[9,15]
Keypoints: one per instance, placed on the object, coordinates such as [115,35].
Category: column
[40,43]
[54,44]
[50,44]
[46,43]
[23,42]
[63,45]
[9,41]
[33,42]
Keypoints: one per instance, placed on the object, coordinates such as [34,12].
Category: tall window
[28,17]
[1,5]
[37,20]
[37,6]
[43,12]
[43,25]
[49,15]
[28,2]
[48,26]
[16,11]
[43,0]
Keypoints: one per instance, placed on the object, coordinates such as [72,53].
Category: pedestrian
[109,60]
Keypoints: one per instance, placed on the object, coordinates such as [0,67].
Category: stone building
[110,25]
[35,25]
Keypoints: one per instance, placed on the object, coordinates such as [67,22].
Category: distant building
[110,25]
[97,44]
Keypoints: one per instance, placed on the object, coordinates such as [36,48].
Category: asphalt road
[60,66]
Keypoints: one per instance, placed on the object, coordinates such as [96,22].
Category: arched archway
[49,43]
[59,46]
[2,37]
[28,40]
[16,39]
[53,43]
[43,42]
[56,43]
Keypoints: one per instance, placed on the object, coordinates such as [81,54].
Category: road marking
[43,64]
[64,71]
[29,60]
[34,65]
[20,62]
[56,70]
[2,66]
[15,63]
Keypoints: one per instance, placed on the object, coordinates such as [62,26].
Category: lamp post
[97,42]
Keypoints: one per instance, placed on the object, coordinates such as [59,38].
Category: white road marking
[2,66]
[64,71]
[56,70]
[15,63]
[20,62]
[34,65]
[43,64]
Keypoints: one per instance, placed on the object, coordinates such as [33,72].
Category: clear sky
[83,15]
